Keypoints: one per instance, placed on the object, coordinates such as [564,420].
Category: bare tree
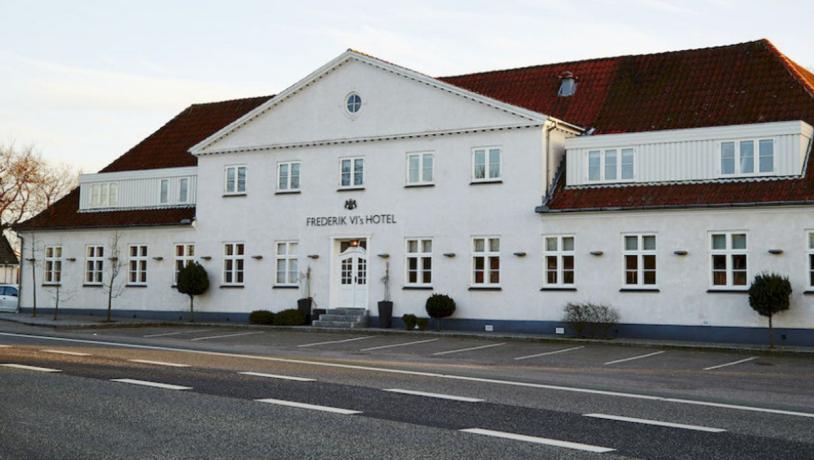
[60,294]
[113,286]
[34,261]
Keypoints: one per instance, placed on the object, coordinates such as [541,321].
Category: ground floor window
[811,259]
[53,265]
[728,259]
[286,257]
[485,261]
[559,261]
[639,254]
[419,262]
[94,264]
[137,265]
[233,261]
[184,255]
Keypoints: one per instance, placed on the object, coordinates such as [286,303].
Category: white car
[8,297]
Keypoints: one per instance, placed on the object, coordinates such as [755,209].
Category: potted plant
[386,305]
[440,306]
[305,303]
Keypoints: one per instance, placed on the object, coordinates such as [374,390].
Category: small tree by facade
[440,306]
[769,295]
[192,281]
[113,286]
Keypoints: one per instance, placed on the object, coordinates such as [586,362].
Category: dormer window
[568,84]
[612,165]
[747,157]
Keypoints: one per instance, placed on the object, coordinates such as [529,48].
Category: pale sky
[84,81]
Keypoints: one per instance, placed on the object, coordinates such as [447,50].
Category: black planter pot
[385,314]
[304,305]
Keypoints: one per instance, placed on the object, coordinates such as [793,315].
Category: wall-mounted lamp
[158,258]
[71,259]
[680,252]
[520,254]
[207,258]
[257,257]
[449,254]
[776,252]
[597,253]
[313,256]
[384,256]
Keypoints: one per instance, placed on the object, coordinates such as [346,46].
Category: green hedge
[261,317]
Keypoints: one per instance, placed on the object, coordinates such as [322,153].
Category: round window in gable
[353,103]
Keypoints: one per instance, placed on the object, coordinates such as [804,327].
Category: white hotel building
[656,184]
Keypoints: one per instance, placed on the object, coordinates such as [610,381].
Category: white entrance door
[353,277]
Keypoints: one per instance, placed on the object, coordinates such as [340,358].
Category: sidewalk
[98,322]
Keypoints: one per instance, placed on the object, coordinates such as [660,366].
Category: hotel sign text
[337,221]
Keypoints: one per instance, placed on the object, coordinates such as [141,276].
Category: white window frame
[810,261]
[560,253]
[53,266]
[640,252]
[353,160]
[186,257]
[94,276]
[487,254]
[420,255]
[291,275]
[104,195]
[137,265]
[288,187]
[238,264]
[728,252]
[755,158]
[164,191]
[236,168]
[487,174]
[421,179]
[183,190]
[603,154]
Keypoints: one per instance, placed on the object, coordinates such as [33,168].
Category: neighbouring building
[9,265]
[657,184]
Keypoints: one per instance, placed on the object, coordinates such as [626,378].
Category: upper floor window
[729,259]
[183,190]
[94,264]
[233,260]
[53,265]
[351,172]
[612,165]
[740,159]
[486,164]
[485,261]
[419,262]
[353,103]
[559,261]
[104,195]
[288,176]
[184,255]
[419,168]
[137,265]
[164,197]
[235,180]
[639,254]
[287,269]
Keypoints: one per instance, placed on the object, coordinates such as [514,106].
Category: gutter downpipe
[548,130]
[22,271]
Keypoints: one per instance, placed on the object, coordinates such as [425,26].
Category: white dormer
[144,189]
[754,151]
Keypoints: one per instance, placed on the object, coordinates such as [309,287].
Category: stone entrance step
[347,318]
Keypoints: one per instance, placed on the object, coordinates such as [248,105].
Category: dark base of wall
[715,334]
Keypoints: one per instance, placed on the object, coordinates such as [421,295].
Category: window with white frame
[351,172]
[419,262]
[137,265]
[639,258]
[94,264]
[104,195]
[485,261]
[164,196]
[559,261]
[419,168]
[233,261]
[287,263]
[728,251]
[486,164]
[184,255]
[811,259]
[235,180]
[612,165]
[53,264]
[747,157]
[183,190]
[288,176]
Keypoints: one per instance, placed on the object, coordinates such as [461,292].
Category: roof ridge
[239,99]
[795,69]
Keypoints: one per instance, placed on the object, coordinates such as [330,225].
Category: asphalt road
[241,393]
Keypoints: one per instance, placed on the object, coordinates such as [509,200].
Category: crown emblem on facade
[350,204]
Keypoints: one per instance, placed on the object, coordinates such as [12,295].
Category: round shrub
[422,323]
[291,317]
[769,295]
[261,317]
[409,321]
[440,306]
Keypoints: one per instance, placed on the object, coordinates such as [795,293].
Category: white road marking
[336,341]
[403,344]
[538,440]
[434,395]
[565,350]
[145,383]
[157,363]
[334,410]
[730,364]
[632,358]
[277,376]
[656,423]
[30,368]
[462,378]
[63,352]
[165,334]
[5,346]
[224,336]
[461,350]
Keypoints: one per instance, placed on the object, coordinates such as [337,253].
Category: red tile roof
[166,148]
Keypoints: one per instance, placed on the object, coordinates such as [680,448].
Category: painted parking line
[224,336]
[354,339]
[538,440]
[166,334]
[277,376]
[461,350]
[548,353]
[30,368]
[5,346]
[733,363]
[656,423]
[403,344]
[146,383]
[63,352]
[433,395]
[333,410]
[157,363]
[633,358]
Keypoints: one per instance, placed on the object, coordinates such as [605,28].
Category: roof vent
[568,84]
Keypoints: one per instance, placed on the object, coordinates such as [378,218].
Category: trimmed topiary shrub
[440,306]
[768,295]
[192,281]
[290,317]
[590,320]
[261,317]
[422,323]
[409,321]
